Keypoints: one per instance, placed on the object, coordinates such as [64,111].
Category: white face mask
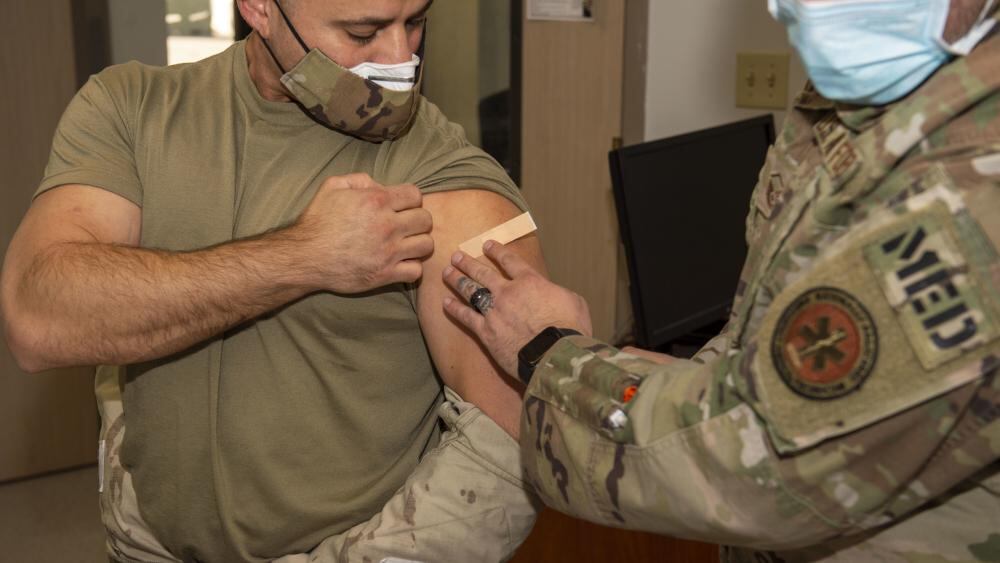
[399,77]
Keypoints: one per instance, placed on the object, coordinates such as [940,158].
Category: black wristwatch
[532,353]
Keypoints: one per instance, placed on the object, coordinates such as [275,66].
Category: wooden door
[571,113]
[47,421]
[572,110]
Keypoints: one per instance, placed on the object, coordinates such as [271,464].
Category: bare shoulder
[469,210]
[462,214]
[458,216]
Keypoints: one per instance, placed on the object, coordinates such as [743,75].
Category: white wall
[222,18]
[691,72]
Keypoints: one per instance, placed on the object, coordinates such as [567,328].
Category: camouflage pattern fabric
[128,537]
[851,409]
[466,501]
[467,487]
[349,103]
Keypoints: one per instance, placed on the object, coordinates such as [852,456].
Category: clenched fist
[359,235]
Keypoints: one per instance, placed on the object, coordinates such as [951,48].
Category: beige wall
[691,72]
[47,421]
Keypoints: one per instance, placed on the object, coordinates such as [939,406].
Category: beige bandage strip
[508,232]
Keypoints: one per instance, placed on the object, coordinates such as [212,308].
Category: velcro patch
[847,344]
[825,344]
[926,279]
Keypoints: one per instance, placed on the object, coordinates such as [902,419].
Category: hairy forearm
[94,303]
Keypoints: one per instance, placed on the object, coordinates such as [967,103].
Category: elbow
[30,364]
[25,341]
[24,348]
[23,332]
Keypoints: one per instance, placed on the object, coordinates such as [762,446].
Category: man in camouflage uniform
[851,409]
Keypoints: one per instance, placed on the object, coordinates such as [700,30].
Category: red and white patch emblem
[825,344]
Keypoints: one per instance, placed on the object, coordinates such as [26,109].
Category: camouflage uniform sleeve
[693,460]
[857,385]
[465,501]
[725,449]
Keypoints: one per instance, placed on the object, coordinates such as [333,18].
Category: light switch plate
[762,80]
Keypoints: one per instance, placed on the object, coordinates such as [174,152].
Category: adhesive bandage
[508,232]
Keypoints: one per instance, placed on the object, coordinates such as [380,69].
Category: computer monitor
[682,204]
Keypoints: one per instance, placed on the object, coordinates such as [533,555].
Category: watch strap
[531,354]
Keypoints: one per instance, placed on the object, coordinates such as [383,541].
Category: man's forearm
[94,303]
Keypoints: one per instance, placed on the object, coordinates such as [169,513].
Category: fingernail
[448,271]
[489,244]
[448,301]
[456,257]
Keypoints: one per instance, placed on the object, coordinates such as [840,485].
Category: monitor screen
[682,203]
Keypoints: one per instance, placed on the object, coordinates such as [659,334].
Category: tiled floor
[52,518]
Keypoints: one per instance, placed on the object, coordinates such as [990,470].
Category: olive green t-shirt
[279,433]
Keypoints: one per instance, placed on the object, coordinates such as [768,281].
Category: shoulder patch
[893,314]
[926,279]
[825,344]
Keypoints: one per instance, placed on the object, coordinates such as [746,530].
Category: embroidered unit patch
[825,344]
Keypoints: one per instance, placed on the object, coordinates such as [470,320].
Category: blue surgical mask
[872,52]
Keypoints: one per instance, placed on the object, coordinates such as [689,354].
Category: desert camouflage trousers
[425,521]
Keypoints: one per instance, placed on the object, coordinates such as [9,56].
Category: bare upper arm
[70,213]
[459,216]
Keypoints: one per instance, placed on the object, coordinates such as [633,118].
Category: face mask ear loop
[423,42]
[979,30]
[987,13]
[987,9]
[273,56]
[420,55]
[288,22]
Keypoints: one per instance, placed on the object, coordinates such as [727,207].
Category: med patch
[926,279]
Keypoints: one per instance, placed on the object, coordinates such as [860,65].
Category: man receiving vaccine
[252,247]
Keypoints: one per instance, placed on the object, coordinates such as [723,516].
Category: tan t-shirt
[274,435]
